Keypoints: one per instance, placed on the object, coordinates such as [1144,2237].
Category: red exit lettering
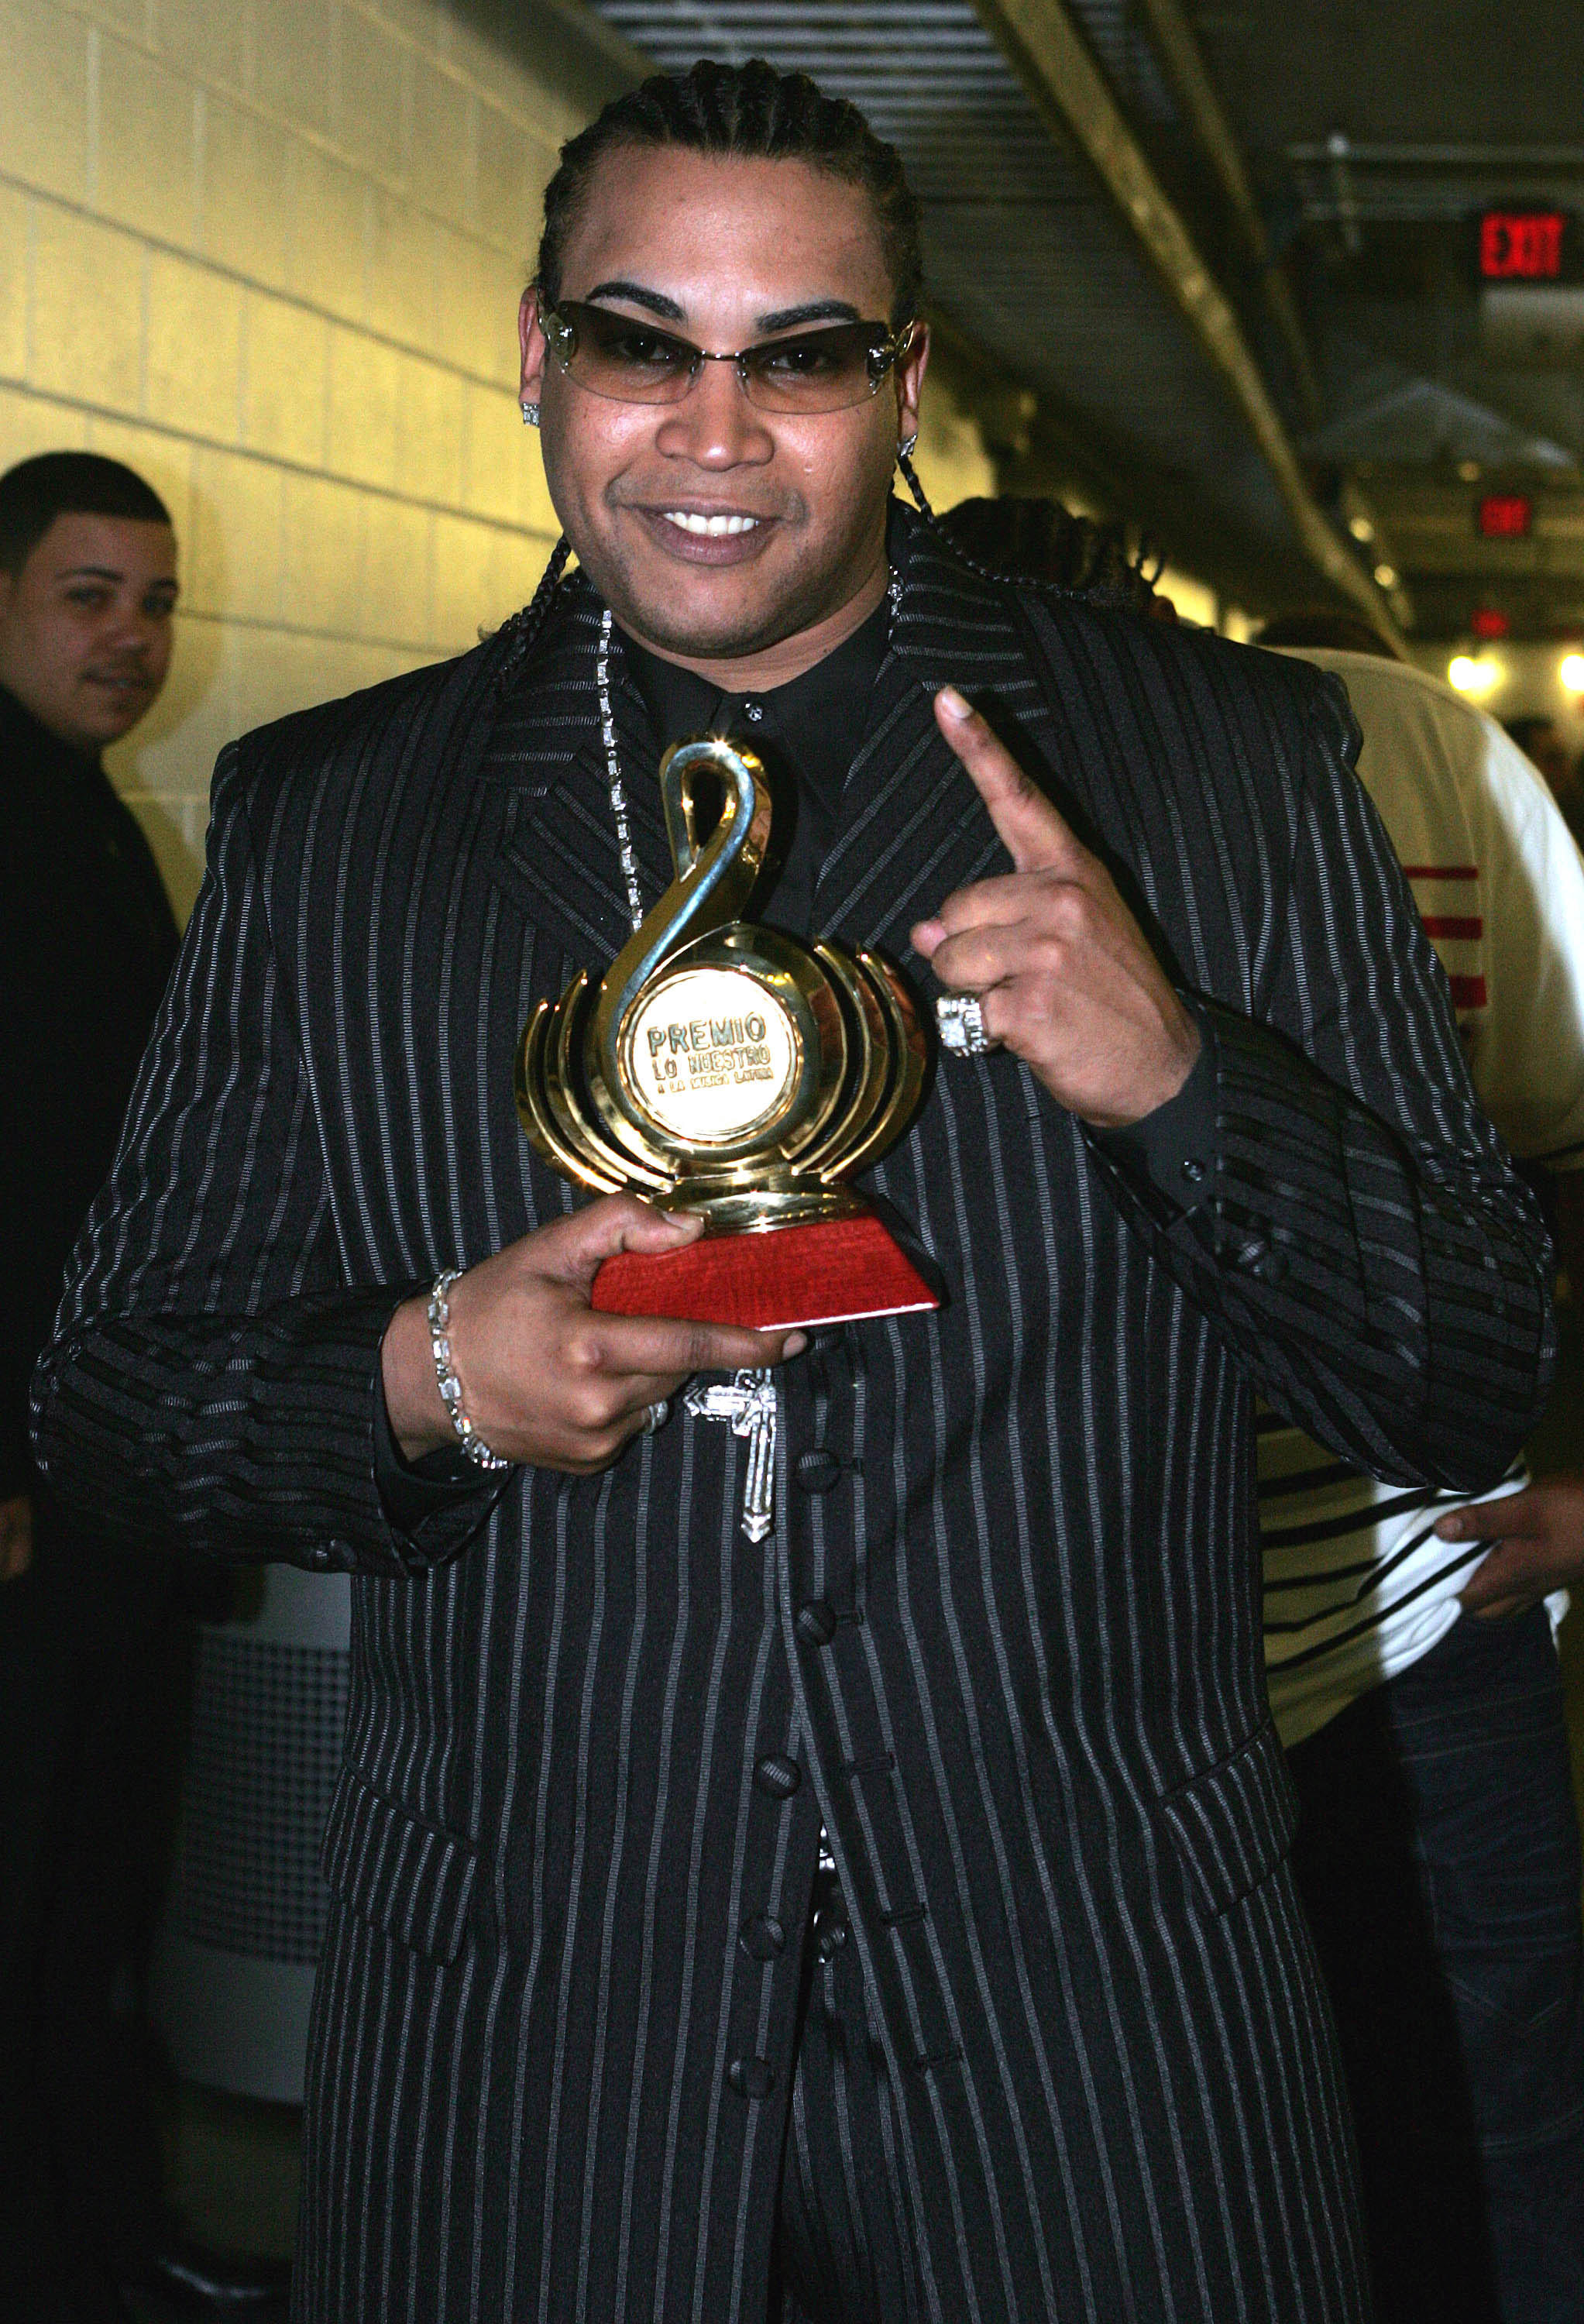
[1524,245]
[1505,516]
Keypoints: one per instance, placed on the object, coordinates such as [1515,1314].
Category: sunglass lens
[816,371]
[629,361]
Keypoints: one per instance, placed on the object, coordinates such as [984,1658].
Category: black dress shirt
[804,732]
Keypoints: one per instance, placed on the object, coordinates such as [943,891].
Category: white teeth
[713,527]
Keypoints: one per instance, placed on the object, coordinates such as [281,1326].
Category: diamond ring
[960,1016]
[656,1415]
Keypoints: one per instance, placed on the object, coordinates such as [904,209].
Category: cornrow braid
[997,576]
[754,113]
[523,628]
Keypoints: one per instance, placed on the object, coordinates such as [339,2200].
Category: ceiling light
[1471,676]
[1469,472]
[1387,574]
[1571,672]
[1360,528]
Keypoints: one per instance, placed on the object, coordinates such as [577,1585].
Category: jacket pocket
[401,1875]
[1233,1822]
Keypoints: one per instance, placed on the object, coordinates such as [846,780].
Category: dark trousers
[1439,1858]
[844,2252]
[91,1698]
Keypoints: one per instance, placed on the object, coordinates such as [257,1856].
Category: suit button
[818,1470]
[751,2077]
[830,1929]
[763,1937]
[816,1622]
[777,1775]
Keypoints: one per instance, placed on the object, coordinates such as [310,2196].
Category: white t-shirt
[1356,1585]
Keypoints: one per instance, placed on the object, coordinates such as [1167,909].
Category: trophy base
[829,1271]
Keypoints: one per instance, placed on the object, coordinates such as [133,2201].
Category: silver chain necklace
[749,1405]
[617,789]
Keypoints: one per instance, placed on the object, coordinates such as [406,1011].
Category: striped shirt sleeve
[1366,1246]
[211,1372]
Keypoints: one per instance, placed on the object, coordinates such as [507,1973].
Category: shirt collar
[817,720]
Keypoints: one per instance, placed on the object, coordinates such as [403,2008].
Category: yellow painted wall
[269,251]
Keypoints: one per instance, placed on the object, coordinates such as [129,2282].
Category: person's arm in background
[1537,1536]
[1528,1067]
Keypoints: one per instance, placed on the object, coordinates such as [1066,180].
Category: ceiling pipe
[1048,54]
[1192,85]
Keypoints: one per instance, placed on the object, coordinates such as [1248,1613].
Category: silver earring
[531,414]
[904,449]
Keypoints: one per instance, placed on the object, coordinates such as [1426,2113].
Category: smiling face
[738,541]
[84,627]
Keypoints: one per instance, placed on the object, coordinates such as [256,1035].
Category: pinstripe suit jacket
[1038,1735]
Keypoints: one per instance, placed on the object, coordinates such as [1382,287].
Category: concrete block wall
[269,251]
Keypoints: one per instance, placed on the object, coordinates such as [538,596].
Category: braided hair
[750,112]
[1041,542]
[524,627]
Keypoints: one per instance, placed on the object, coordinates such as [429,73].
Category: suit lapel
[558,859]
[913,825]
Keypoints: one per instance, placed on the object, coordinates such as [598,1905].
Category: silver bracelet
[472,1443]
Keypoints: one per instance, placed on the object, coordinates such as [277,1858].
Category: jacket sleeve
[1361,1237]
[211,1384]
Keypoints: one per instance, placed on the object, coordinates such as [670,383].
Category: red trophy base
[830,1272]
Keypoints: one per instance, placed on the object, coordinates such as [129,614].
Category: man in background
[1412,1663]
[92,1645]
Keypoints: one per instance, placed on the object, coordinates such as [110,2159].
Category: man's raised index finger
[1035,834]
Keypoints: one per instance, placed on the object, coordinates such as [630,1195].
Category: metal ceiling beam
[1048,54]
[1178,52]
[1506,160]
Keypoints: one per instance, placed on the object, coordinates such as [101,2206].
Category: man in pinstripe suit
[596,2038]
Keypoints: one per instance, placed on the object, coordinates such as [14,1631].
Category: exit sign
[1505,516]
[1524,246]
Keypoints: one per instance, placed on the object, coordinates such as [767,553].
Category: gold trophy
[728,1069]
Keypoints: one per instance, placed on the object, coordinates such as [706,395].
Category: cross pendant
[750,1405]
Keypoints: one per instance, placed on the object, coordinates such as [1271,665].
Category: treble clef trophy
[728,1069]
